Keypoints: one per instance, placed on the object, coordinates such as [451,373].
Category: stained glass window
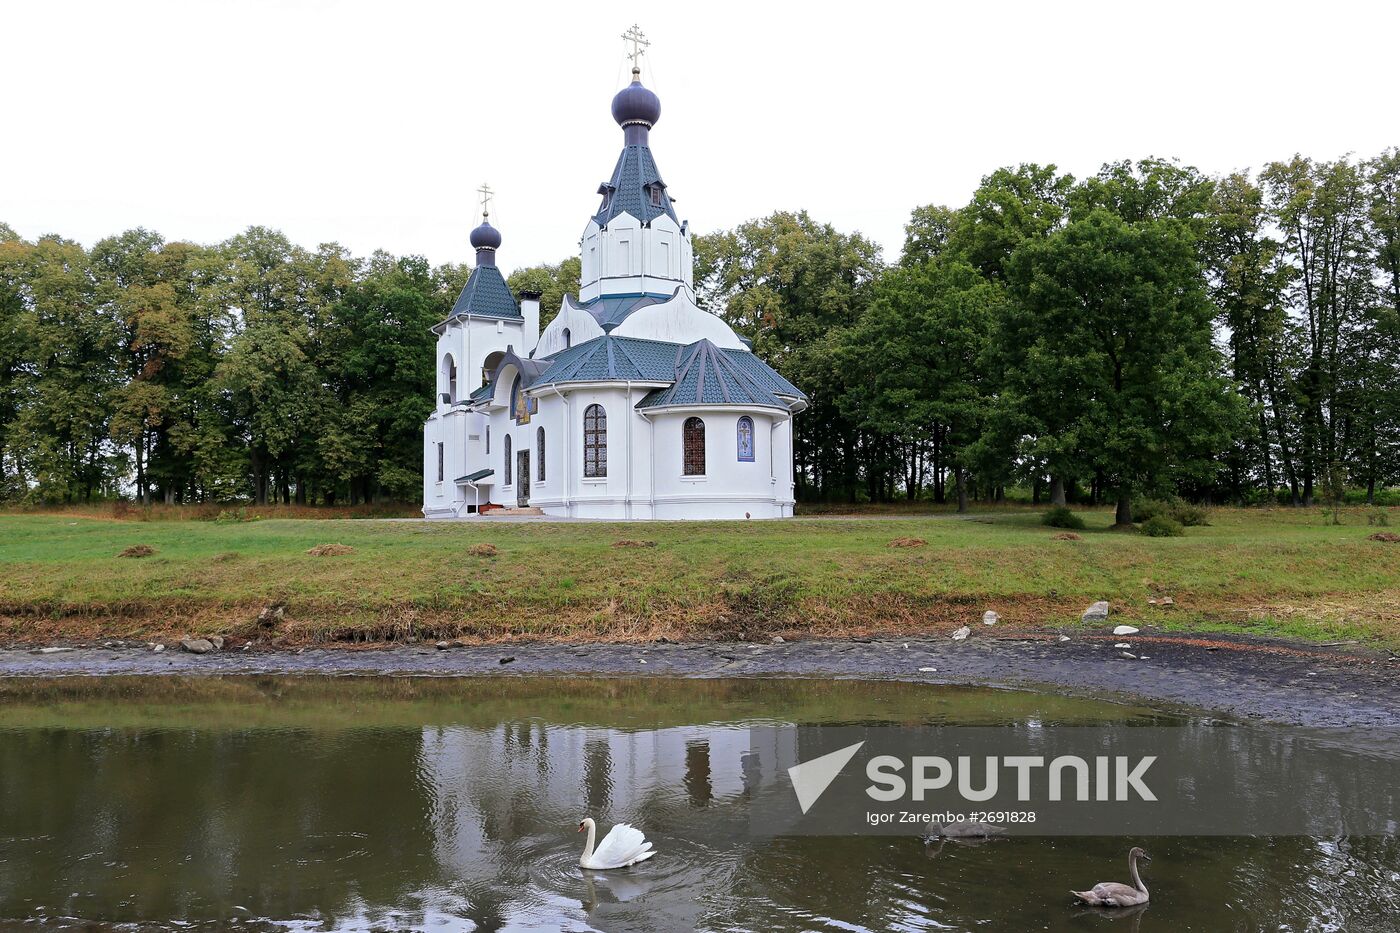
[539,443]
[693,439]
[745,431]
[595,441]
[505,448]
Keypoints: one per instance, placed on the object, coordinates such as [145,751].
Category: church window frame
[693,446]
[595,442]
[568,338]
[539,452]
[744,439]
[656,196]
[507,476]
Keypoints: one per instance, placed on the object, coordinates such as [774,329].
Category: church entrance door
[522,479]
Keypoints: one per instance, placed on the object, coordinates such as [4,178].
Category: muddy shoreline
[1264,679]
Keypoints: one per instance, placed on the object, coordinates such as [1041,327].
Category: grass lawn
[1280,571]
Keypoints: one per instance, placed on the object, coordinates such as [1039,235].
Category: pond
[384,803]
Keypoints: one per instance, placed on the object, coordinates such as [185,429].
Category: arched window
[595,441]
[745,431]
[505,450]
[539,452]
[449,379]
[693,440]
[568,339]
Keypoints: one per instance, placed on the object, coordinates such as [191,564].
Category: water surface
[374,803]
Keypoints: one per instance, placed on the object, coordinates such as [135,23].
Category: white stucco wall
[628,258]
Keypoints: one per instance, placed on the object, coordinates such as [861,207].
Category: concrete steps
[527,511]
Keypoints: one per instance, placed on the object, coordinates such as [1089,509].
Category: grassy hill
[1272,572]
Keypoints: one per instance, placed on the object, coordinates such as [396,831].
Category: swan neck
[588,845]
[1132,870]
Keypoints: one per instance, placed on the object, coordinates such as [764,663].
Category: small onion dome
[486,236]
[635,104]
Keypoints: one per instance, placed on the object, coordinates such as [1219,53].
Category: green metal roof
[486,294]
[762,373]
[473,477]
[705,375]
[629,188]
[613,359]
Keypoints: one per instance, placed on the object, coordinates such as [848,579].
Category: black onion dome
[486,237]
[636,104]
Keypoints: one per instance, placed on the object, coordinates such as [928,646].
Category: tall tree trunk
[1057,490]
[1123,517]
[961,479]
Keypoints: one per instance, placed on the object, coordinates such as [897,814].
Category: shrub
[1178,510]
[1147,509]
[1162,526]
[1188,515]
[1061,517]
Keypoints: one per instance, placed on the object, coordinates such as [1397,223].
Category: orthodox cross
[485,192]
[639,44]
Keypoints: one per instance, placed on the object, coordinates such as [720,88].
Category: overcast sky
[371,123]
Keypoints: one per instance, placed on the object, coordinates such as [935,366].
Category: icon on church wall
[522,406]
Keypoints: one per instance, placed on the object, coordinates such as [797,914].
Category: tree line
[1147,331]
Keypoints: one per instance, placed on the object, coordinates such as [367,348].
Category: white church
[633,403]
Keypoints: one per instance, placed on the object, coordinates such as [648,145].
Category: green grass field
[1269,572]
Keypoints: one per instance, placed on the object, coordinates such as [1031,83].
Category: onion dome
[635,105]
[486,236]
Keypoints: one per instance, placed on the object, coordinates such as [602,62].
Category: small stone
[1122,644]
[247,647]
[1096,613]
[197,645]
[1152,601]
[778,639]
[1125,630]
[272,615]
[641,660]
[443,646]
[928,670]
[962,633]
[217,641]
[1130,656]
[990,618]
[1167,601]
[158,649]
[53,650]
[1064,638]
[508,660]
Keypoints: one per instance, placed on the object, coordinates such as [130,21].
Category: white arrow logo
[810,779]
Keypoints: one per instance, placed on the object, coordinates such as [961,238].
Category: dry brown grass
[138,550]
[482,550]
[330,550]
[1067,536]
[1389,537]
[908,542]
[629,542]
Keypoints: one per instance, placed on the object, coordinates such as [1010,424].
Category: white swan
[1113,894]
[623,845]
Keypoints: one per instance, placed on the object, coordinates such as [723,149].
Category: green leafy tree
[553,282]
[1115,324]
[787,283]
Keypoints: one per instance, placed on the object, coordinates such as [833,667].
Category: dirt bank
[1238,676]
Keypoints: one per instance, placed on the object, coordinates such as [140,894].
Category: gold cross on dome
[639,42]
[486,193]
